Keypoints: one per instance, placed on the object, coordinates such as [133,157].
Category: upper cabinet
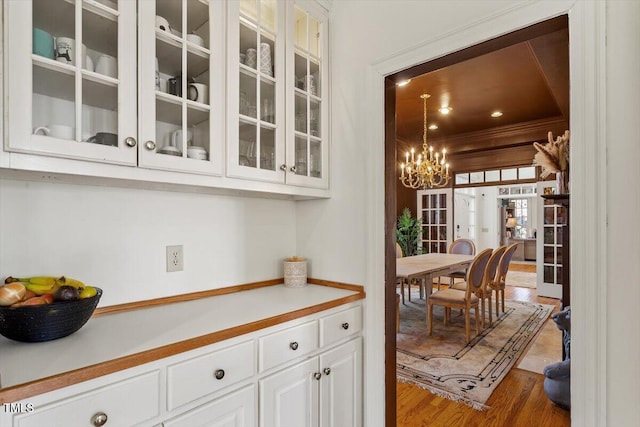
[71,71]
[195,92]
[181,85]
[277,94]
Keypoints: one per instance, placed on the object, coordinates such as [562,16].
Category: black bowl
[47,322]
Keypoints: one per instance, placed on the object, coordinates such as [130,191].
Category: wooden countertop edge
[33,388]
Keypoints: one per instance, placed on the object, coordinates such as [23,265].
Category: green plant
[408,233]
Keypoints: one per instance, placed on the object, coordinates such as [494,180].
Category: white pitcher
[177,138]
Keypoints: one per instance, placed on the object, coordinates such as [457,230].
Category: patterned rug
[445,365]
[521,279]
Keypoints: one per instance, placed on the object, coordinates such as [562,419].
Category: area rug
[446,365]
[522,279]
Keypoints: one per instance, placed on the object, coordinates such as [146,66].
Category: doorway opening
[473,149]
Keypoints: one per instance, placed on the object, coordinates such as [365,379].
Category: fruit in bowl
[45,307]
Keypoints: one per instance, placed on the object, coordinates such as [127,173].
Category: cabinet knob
[293,345]
[326,371]
[345,326]
[99,419]
[130,141]
[283,167]
[292,169]
[150,145]
[317,376]
[219,374]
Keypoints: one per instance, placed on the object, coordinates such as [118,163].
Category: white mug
[107,65]
[65,50]
[56,131]
[88,63]
[198,92]
[162,24]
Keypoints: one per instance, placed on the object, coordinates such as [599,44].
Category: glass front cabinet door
[71,74]
[277,97]
[181,85]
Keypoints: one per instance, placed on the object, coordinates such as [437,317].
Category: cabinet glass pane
[314,118]
[315,159]
[267,102]
[314,37]
[301,156]
[267,148]
[268,15]
[197,23]
[169,16]
[300,29]
[248,46]
[53,102]
[248,149]
[197,135]
[300,109]
[249,8]
[248,94]
[265,59]
[99,113]
[168,122]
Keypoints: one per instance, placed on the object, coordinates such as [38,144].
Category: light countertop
[112,336]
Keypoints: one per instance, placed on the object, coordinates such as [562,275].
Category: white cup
[56,131]
[88,63]
[65,50]
[163,85]
[107,65]
[195,39]
[198,92]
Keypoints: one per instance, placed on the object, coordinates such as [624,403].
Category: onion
[11,293]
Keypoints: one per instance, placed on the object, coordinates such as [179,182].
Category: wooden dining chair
[462,247]
[485,291]
[467,300]
[499,282]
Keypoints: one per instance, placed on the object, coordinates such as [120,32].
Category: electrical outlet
[175,258]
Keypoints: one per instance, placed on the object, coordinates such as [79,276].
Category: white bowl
[195,152]
[195,39]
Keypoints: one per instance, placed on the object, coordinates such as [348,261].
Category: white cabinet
[323,391]
[75,98]
[123,403]
[181,85]
[236,409]
[278,92]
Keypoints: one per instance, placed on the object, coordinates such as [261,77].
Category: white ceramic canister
[295,272]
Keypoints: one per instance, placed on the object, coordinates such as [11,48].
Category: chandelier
[429,169]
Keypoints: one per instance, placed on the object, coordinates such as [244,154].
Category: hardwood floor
[519,400]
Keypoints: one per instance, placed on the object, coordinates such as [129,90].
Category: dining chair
[499,282]
[452,298]
[399,281]
[485,291]
[462,247]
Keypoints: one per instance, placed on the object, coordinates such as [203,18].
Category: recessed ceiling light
[433,126]
[445,110]
[496,114]
[403,83]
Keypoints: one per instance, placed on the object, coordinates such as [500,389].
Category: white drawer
[286,345]
[197,377]
[340,325]
[125,403]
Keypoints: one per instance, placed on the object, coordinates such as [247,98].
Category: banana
[71,282]
[36,280]
[39,289]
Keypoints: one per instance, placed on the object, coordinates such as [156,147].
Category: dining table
[425,267]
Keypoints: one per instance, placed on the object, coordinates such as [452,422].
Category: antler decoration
[554,156]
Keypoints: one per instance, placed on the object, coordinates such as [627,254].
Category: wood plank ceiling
[527,81]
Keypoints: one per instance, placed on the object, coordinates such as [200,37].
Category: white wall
[115,238]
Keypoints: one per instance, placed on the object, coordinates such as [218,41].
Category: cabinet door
[72,79]
[307,150]
[255,72]
[289,398]
[341,386]
[180,62]
[237,409]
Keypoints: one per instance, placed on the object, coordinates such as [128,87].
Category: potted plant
[408,233]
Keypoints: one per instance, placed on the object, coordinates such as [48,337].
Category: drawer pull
[345,326]
[327,371]
[293,346]
[219,374]
[99,419]
[317,376]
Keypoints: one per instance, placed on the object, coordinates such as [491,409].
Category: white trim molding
[588,189]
